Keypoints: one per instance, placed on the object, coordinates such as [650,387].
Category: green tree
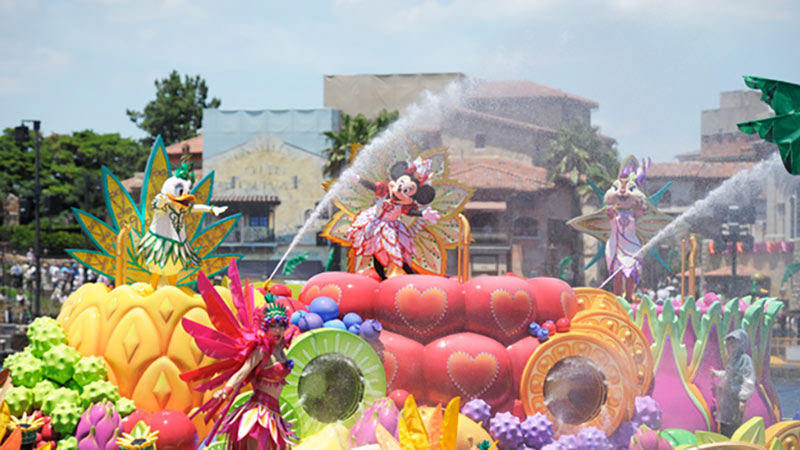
[70,168]
[177,111]
[580,150]
[356,130]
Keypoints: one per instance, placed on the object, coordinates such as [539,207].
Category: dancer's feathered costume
[233,341]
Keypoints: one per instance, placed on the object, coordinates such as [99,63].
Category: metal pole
[37,195]
[733,262]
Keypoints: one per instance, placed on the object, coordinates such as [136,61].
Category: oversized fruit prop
[99,428]
[175,430]
[137,333]
[336,376]
[382,411]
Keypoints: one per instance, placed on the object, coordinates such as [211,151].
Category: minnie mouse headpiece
[421,169]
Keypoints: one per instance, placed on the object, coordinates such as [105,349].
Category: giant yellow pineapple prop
[134,327]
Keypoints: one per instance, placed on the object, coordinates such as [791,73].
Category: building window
[233,182]
[296,181]
[483,223]
[258,229]
[526,227]
[480,140]
[258,221]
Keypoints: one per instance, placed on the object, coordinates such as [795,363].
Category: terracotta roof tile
[195,146]
[137,180]
[697,169]
[245,198]
[502,120]
[497,172]
[523,88]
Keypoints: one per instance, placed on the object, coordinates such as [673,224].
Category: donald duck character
[165,249]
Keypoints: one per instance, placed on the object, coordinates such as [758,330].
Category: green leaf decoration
[677,436]
[709,437]
[293,262]
[751,431]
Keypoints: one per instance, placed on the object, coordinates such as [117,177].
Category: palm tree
[584,156]
[354,133]
[580,150]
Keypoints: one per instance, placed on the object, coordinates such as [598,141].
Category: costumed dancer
[377,230]
[626,203]
[165,249]
[250,347]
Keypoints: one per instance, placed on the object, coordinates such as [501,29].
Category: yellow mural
[266,165]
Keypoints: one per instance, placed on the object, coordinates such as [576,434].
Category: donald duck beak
[184,201]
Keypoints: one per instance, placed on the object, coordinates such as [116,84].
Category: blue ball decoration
[296,316]
[335,323]
[534,328]
[371,330]
[351,319]
[355,328]
[543,334]
[313,321]
[326,307]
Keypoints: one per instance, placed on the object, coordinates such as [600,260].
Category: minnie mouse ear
[425,194]
[398,169]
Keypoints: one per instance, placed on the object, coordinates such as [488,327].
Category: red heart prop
[511,312]
[330,290]
[472,375]
[421,311]
[390,367]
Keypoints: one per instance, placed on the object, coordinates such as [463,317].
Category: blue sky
[653,66]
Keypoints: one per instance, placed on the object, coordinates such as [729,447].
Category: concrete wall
[506,139]
[735,107]
[369,94]
[544,111]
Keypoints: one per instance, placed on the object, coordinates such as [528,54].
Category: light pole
[22,134]
[734,230]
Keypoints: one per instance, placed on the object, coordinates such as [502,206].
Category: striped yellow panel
[159,173]
[122,208]
[98,262]
[100,232]
[212,237]
[201,193]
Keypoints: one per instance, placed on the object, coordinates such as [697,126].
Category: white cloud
[26,65]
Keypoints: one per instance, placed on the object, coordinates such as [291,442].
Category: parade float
[392,354]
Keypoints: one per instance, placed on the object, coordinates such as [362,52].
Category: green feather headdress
[185,170]
[274,311]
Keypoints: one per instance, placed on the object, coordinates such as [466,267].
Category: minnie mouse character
[377,230]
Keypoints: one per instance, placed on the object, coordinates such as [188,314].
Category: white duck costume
[165,249]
